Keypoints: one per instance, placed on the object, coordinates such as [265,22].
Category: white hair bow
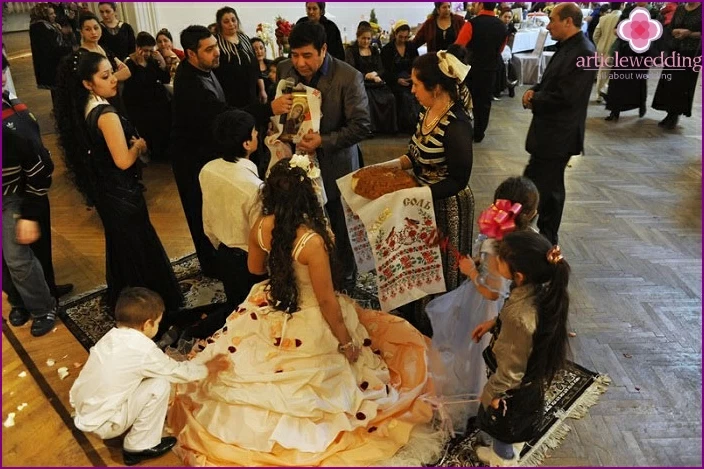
[452,66]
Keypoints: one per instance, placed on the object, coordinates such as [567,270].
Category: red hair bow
[498,219]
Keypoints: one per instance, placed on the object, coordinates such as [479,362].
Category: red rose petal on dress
[378,352]
[298,342]
[201,347]
[387,389]
[279,371]
[210,341]
[224,329]
[240,310]
[253,316]
[367,342]
[364,385]
[277,341]
[232,349]
[360,416]
[371,429]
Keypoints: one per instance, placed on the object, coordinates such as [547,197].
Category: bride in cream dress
[315,379]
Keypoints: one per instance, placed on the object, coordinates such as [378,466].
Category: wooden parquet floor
[631,232]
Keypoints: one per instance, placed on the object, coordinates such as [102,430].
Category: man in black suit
[198,100]
[484,36]
[559,104]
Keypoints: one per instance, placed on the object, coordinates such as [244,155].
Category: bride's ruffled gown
[292,399]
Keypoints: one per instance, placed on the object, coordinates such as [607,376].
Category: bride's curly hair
[288,194]
[69,109]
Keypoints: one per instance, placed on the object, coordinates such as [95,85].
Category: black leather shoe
[672,123]
[612,117]
[19,316]
[43,325]
[641,111]
[131,458]
[62,290]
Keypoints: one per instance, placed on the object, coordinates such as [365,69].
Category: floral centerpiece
[283,30]
[265,32]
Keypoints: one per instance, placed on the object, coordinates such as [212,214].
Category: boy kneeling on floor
[125,384]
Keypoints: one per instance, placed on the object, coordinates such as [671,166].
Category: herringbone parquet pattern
[631,232]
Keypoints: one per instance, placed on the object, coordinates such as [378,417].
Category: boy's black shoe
[19,316]
[131,458]
[44,324]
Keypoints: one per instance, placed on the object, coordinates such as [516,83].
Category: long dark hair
[69,116]
[527,252]
[288,194]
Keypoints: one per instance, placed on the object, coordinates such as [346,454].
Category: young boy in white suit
[125,384]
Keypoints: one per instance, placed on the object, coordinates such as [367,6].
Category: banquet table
[525,39]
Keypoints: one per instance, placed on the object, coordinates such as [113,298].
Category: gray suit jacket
[345,121]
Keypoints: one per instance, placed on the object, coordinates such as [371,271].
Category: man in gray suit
[344,124]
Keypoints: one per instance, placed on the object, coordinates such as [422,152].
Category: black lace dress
[677,85]
[382,103]
[134,255]
[397,66]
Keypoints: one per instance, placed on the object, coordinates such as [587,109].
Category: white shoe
[488,456]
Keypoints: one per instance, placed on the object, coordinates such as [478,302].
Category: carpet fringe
[554,437]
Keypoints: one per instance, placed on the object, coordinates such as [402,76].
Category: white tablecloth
[525,39]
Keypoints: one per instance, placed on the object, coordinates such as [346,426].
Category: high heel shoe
[613,116]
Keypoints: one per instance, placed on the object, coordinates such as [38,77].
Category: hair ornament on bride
[303,162]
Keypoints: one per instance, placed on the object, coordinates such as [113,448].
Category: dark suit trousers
[342,241]
[232,264]
[481,85]
[186,175]
[548,174]
[42,247]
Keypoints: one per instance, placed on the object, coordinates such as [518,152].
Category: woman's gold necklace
[429,126]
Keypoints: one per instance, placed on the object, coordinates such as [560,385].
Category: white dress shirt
[117,364]
[231,203]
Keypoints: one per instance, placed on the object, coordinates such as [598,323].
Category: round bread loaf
[374,181]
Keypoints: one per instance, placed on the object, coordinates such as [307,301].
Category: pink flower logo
[639,30]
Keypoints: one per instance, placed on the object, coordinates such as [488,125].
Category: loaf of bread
[374,181]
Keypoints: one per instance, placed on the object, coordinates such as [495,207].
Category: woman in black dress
[627,90]
[367,59]
[676,88]
[315,13]
[100,150]
[397,60]
[48,45]
[118,36]
[264,64]
[238,72]
[146,100]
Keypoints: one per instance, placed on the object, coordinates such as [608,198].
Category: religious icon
[294,119]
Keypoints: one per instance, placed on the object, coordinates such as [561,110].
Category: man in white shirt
[125,384]
[231,202]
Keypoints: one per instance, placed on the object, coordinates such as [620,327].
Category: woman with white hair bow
[440,154]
